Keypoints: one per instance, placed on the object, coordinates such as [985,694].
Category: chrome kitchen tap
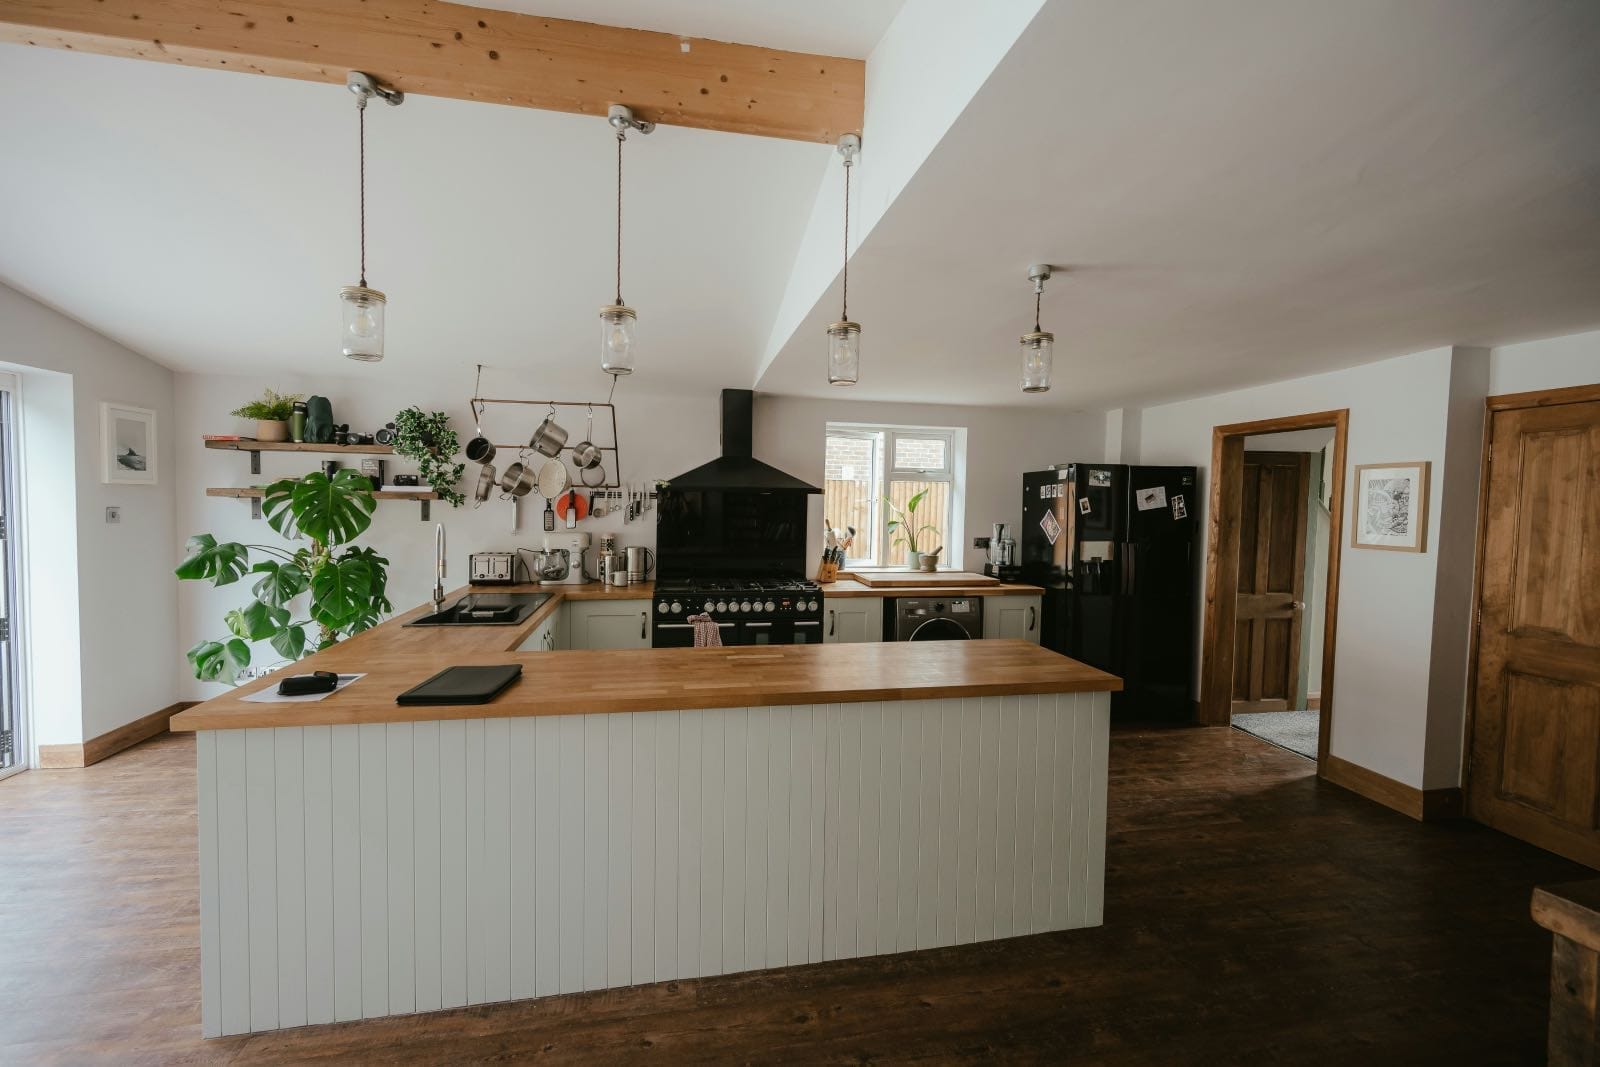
[438,567]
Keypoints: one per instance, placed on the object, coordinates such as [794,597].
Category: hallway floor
[1253,914]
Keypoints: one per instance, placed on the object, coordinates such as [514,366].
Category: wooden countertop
[395,658]
[847,588]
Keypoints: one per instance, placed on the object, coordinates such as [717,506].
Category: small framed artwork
[1391,507]
[128,444]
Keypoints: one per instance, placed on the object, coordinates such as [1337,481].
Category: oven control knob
[754,606]
[711,605]
[722,605]
[770,606]
[676,607]
[661,606]
[812,606]
[745,606]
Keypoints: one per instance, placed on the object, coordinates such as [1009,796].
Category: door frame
[1537,398]
[1222,563]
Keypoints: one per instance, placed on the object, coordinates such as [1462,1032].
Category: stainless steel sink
[485,609]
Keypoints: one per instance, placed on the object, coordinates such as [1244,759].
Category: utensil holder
[827,572]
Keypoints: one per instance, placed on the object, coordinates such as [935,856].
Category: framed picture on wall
[127,444]
[1390,510]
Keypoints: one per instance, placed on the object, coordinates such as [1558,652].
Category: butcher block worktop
[395,657]
[848,588]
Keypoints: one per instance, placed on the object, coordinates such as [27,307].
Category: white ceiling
[826,27]
[1245,192]
[207,219]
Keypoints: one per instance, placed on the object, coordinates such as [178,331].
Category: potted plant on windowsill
[902,526]
[271,413]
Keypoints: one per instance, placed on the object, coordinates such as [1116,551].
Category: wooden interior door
[1272,581]
[1536,724]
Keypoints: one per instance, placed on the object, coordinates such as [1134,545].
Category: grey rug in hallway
[1293,730]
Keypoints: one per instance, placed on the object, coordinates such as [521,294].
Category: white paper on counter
[270,695]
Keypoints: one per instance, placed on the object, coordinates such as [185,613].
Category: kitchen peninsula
[629,816]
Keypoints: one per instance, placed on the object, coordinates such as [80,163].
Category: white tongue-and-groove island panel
[351,872]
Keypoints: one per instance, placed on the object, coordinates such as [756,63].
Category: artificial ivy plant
[346,584]
[430,441]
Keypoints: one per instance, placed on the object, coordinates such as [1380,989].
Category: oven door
[782,632]
[681,634]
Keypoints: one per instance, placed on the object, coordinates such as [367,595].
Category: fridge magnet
[1150,499]
[127,445]
[1391,507]
[1051,528]
[1100,478]
[1179,509]
[1083,505]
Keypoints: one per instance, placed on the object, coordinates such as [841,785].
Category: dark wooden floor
[1252,915]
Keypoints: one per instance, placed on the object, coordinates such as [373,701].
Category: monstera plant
[343,585]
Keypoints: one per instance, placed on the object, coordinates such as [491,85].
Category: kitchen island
[629,816]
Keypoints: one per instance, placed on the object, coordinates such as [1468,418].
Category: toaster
[492,568]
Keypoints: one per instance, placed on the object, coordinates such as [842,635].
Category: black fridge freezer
[1113,547]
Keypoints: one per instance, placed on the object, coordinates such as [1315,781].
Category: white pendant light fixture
[1038,347]
[844,336]
[617,320]
[363,307]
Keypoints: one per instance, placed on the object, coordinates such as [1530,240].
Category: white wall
[1001,444]
[1554,363]
[1399,410]
[121,616]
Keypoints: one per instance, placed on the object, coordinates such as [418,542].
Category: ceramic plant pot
[272,430]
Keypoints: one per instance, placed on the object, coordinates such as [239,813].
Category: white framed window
[875,473]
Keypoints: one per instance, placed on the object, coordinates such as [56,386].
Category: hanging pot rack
[611,455]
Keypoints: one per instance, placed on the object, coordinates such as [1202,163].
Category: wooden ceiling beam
[470,53]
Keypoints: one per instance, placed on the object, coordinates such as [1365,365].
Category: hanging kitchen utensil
[549,439]
[598,470]
[517,480]
[585,454]
[486,482]
[572,508]
[479,450]
[553,480]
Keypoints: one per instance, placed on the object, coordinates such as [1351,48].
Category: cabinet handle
[831,621]
[644,624]
[1033,618]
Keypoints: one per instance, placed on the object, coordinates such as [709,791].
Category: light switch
[113,515]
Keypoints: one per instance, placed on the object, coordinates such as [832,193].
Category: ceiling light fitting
[617,320]
[1038,347]
[363,307]
[844,336]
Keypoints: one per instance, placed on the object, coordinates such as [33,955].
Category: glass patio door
[12,741]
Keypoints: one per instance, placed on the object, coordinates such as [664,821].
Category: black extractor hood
[737,468]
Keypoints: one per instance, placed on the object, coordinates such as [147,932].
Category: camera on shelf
[385,436]
[405,479]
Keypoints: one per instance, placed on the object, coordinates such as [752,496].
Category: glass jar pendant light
[1038,347]
[617,320]
[844,336]
[362,307]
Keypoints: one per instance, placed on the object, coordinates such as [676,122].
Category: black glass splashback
[730,533]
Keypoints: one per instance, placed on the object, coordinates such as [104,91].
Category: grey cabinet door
[853,620]
[608,624]
[1012,616]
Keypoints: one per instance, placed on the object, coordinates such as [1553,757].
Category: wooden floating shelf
[250,445]
[254,494]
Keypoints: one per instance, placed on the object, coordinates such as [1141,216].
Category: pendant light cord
[844,314]
[620,139]
[361,121]
[1038,295]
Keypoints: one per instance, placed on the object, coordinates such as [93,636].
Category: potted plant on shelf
[347,584]
[430,441]
[903,526]
[271,413]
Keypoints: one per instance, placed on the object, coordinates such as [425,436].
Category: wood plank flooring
[1253,914]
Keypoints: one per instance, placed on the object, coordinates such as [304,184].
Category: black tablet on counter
[462,685]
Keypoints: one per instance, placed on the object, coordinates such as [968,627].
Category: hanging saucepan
[586,453]
[486,483]
[479,450]
[517,479]
[549,439]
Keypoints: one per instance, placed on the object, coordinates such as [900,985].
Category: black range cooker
[731,543]
[747,612]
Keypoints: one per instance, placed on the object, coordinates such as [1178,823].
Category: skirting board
[66,757]
[1424,805]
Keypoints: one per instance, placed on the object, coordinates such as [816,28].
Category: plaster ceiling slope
[207,219]
[1244,193]
[847,28]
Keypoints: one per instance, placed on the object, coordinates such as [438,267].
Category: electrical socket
[113,515]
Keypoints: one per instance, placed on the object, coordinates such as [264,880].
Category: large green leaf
[341,591]
[290,642]
[205,559]
[256,621]
[333,511]
[378,601]
[219,661]
[280,582]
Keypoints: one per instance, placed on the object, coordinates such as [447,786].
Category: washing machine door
[939,629]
